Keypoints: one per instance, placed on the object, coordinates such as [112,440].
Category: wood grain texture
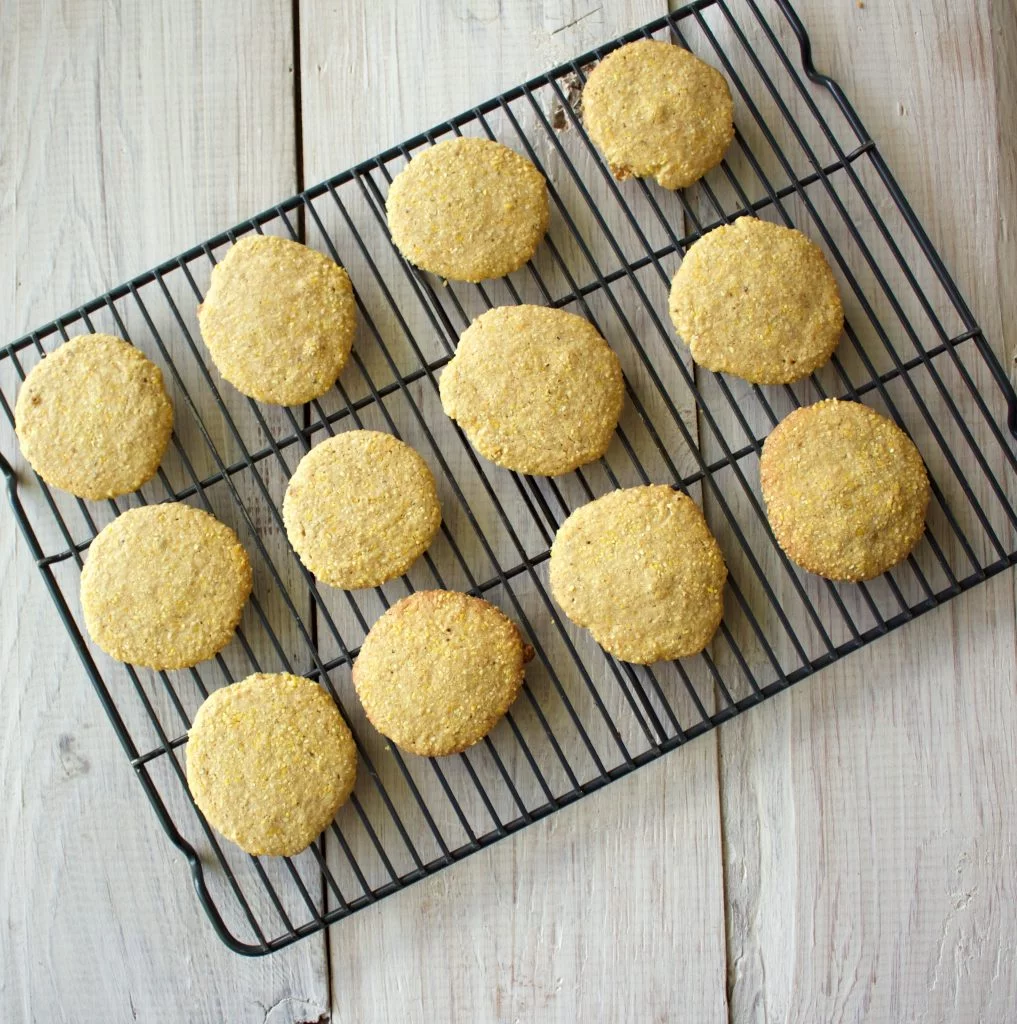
[849,857]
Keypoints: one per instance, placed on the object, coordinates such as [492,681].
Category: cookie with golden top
[93,418]
[438,670]
[360,509]
[278,320]
[535,390]
[846,490]
[656,111]
[758,301]
[164,586]
[640,569]
[468,209]
[269,762]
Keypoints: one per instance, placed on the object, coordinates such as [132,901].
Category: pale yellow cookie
[846,490]
[656,111]
[438,670]
[360,509]
[278,320]
[536,390]
[468,209]
[758,301]
[164,586]
[93,418]
[640,569]
[269,762]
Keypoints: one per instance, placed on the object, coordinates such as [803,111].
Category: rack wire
[912,349]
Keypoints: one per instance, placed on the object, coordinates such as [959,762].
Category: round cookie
[93,418]
[269,762]
[846,490]
[656,111]
[438,670]
[468,209]
[536,390]
[278,320]
[758,301]
[164,586]
[360,509]
[640,569]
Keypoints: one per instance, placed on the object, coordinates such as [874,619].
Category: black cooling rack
[911,348]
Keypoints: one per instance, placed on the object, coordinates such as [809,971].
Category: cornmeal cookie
[438,670]
[93,418]
[164,586]
[640,569]
[846,490]
[278,320]
[758,301]
[269,762]
[361,509]
[656,111]
[536,390]
[468,209]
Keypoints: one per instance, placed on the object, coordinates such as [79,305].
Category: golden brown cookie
[93,418]
[846,490]
[656,111]
[360,509]
[758,301]
[468,209]
[640,569]
[536,390]
[278,320]
[438,670]
[164,586]
[270,761]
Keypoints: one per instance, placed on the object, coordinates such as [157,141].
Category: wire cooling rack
[911,349]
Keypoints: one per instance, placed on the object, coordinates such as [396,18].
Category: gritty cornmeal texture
[93,418]
[164,586]
[656,111]
[758,301]
[438,670]
[846,490]
[468,209]
[270,761]
[536,390]
[278,320]
[360,509]
[640,569]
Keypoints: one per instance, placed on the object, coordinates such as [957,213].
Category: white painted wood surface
[845,852]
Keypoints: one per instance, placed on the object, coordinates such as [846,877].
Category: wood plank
[520,927]
[868,813]
[126,137]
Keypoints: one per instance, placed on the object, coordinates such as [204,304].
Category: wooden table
[844,852]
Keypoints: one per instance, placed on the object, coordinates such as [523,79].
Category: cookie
[468,209]
[536,390]
[656,111]
[846,490]
[93,418]
[640,569]
[360,509]
[758,301]
[269,762]
[164,586]
[438,670]
[278,320]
